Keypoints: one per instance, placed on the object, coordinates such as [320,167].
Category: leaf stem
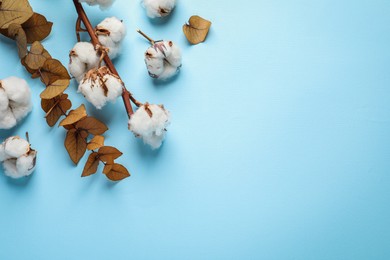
[95,41]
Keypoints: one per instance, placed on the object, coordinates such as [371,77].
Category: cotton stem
[147,37]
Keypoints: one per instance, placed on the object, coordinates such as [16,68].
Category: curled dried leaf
[91,165]
[53,70]
[96,142]
[118,172]
[76,145]
[36,57]
[55,89]
[197,29]
[37,28]
[108,154]
[12,11]
[92,126]
[16,32]
[55,108]
[74,116]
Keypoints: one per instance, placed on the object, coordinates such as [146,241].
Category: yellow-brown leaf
[37,28]
[75,145]
[55,89]
[107,168]
[12,11]
[55,108]
[92,126]
[16,32]
[36,57]
[96,142]
[91,165]
[197,29]
[118,172]
[74,116]
[108,154]
[53,70]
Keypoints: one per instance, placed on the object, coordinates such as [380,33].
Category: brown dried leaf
[91,165]
[96,142]
[74,116]
[92,126]
[55,89]
[36,57]
[55,108]
[53,70]
[12,11]
[118,172]
[37,28]
[107,168]
[75,144]
[108,154]
[197,29]
[16,32]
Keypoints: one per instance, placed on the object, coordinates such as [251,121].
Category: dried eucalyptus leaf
[16,32]
[96,142]
[55,89]
[14,11]
[197,29]
[53,70]
[55,108]
[108,154]
[92,126]
[37,28]
[118,172]
[107,168]
[74,116]
[91,165]
[36,57]
[76,145]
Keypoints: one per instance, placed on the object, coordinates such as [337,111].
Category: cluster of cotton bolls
[103,4]
[158,8]
[149,123]
[17,157]
[15,101]
[100,86]
[163,60]
[83,57]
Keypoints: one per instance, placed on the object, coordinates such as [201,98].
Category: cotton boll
[10,169]
[149,122]
[15,101]
[3,155]
[25,164]
[103,4]
[158,8]
[82,58]
[163,60]
[100,86]
[111,32]
[16,146]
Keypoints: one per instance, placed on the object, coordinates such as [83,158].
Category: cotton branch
[126,95]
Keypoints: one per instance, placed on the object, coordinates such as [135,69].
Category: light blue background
[279,146]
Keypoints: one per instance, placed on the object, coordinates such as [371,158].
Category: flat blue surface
[279,146]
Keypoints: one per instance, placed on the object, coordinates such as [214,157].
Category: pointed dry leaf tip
[101,86]
[91,165]
[149,123]
[17,157]
[15,101]
[12,11]
[108,154]
[103,4]
[111,32]
[117,172]
[163,60]
[197,29]
[158,8]
[74,116]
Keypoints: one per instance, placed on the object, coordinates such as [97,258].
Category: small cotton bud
[158,8]
[163,60]
[100,86]
[111,31]
[82,58]
[15,101]
[17,157]
[149,123]
[103,4]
